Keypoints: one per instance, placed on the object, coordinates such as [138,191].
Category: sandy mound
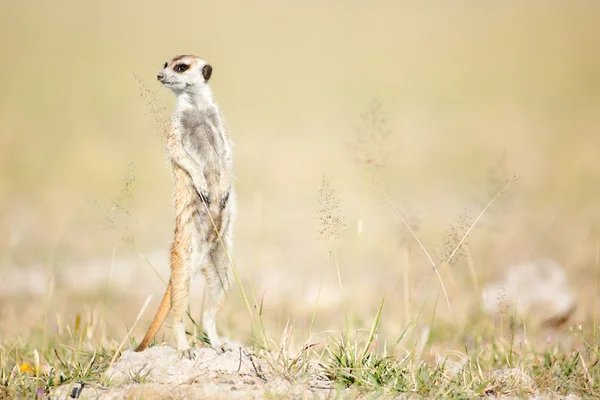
[164,365]
[160,373]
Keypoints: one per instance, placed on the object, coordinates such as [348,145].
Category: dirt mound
[161,373]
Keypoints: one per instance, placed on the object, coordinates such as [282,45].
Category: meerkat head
[184,74]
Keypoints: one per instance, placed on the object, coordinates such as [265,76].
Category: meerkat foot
[211,332]
[227,346]
[222,345]
[189,353]
[182,344]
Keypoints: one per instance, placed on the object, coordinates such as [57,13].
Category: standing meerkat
[200,152]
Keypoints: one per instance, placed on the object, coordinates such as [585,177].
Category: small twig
[258,369]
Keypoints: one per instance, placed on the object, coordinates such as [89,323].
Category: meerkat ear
[206,72]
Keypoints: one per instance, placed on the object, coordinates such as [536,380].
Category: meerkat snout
[160,76]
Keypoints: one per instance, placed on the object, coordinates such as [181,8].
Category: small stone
[538,289]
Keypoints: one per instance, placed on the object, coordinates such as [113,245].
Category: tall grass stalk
[110,274]
[406,283]
[595,326]
[421,245]
[339,276]
[152,267]
[472,272]
[314,313]
[127,337]
[509,183]
[373,329]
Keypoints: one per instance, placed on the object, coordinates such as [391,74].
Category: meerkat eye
[165,65]
[181,67]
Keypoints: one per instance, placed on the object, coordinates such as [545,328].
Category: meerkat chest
[204,140]
[202,149]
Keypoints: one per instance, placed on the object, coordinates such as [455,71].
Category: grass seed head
[372,148]
[332,225]
[160,121]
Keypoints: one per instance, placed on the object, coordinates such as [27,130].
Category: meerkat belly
[195,224]
[206,155]
[185,198]
[213,180]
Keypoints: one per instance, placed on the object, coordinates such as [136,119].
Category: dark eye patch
[181,67]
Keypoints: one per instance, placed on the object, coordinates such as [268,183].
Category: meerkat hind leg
[218,277]
[180,298]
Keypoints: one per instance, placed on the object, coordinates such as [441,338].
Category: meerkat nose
[160,76]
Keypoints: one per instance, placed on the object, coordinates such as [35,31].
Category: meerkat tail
[161,314]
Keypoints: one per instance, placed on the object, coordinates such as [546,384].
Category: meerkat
[200,154]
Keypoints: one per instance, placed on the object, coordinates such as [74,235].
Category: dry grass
[468,96]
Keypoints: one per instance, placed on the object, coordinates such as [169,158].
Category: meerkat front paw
[204,196]
[223,201]
[202,190]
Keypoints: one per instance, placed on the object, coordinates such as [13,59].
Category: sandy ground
[160,373]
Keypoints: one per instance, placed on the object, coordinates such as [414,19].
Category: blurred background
[446,100]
